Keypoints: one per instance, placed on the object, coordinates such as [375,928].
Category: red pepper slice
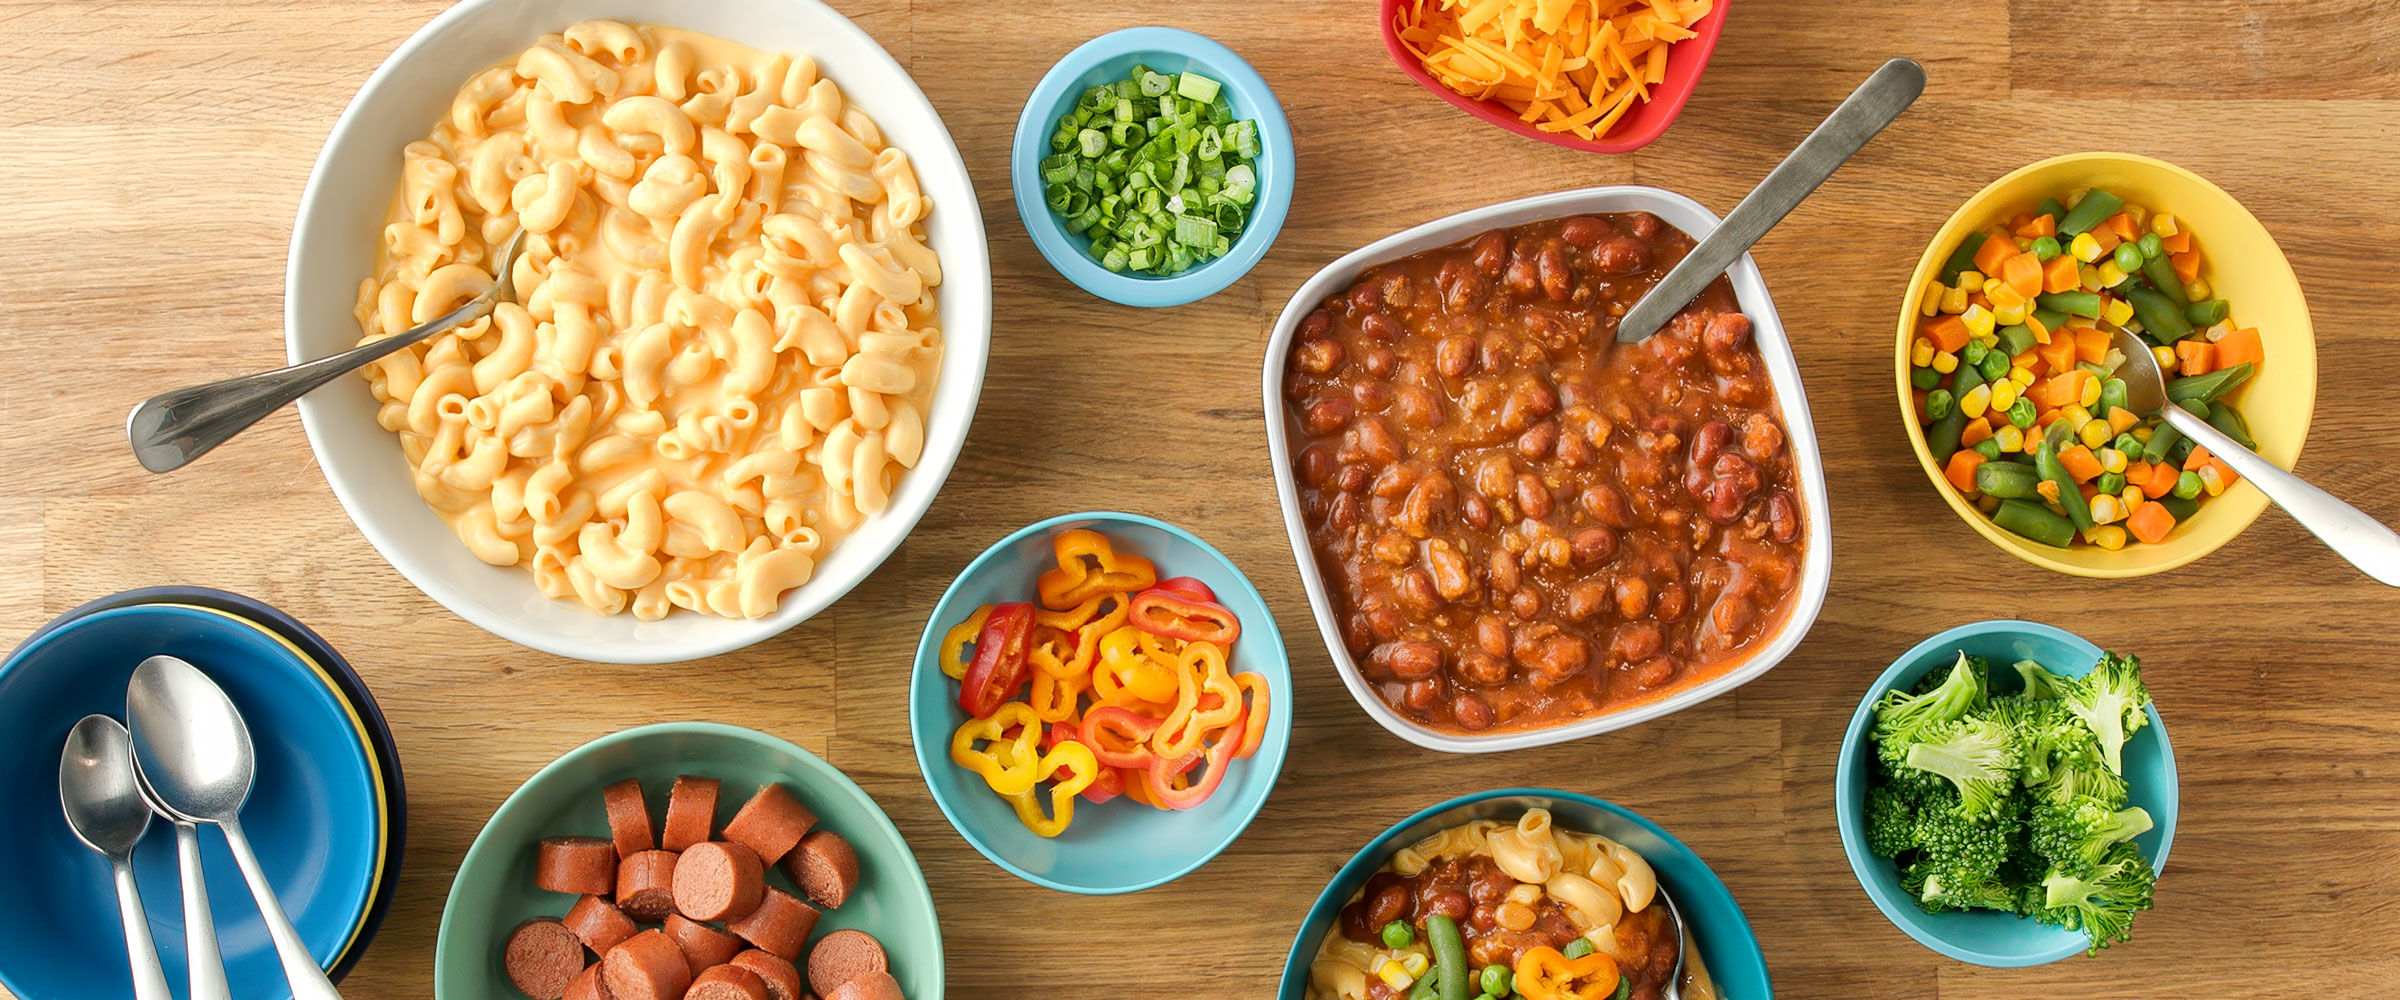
[1189,587]
[1000,666]
[1106,785]
[1175,614]
[1163,773]
[1119,737]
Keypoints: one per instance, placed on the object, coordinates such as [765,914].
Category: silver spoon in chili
[1860,117]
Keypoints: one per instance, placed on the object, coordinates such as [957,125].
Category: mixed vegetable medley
[2016,801]
[1154,170]
[2016,381]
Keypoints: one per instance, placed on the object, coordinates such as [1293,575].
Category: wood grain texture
[157,151]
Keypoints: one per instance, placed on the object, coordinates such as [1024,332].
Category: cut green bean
[1963,257]
[2051,319]
[2206,388]
[2182,507]
[2162,440]
[2084,304]
[2052,208]
[2006,480]
[2097,205]
[2034,521]
[2209,312]
[2161,273]
[2070,496]
[2161,316]
[1941,436]
[2015,340]
[1449,956]
[2224,417]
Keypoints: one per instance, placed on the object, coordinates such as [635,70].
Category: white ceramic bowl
[1816,567]
[334,244]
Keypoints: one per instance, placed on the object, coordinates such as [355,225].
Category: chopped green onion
[1196,87]
[1154,171]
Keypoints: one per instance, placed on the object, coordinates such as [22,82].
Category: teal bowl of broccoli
[2006,794]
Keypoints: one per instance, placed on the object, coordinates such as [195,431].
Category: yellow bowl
[2278,401]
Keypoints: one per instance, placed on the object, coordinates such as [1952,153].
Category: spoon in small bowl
[2349,532]
[96,789]
[194,752]
[1673,990]
[169,430]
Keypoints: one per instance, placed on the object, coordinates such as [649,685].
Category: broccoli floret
[1978,668]
[2074,835]
[2081,779]
[2040,683]
[2100,903]
[1902,719]
[1965,849]
[1891,821]
[1940,894]
[2109,701]
[2047,736]
[1979,756]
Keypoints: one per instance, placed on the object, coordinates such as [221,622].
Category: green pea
[1398,935]
[2127,443]
[1497,980]
[2113,392]
[2128,257]
[1577,949]
[1974,352]
[1624,988]
[2150,246]
[2187,485]
[1924,378]
[2021,413]
[1939,403]
[2111,483]
[2045,248]
[1994,365]
[1989,448]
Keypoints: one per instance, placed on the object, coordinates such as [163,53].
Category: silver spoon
[169,430]
[194,751]
[1683,943]
[2350,533]
[96,788]
[201,959]
[1863,114]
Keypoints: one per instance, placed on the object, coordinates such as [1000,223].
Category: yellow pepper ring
[956,641]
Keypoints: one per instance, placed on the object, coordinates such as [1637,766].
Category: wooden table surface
[156,150]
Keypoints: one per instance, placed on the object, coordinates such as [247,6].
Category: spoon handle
[299,967]
[149,980]
[1863,114]
[2348,531]
[200,956]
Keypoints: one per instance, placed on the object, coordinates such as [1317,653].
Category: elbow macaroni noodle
[724,336]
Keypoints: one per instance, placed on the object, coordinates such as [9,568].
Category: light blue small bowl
[1727,945]
[1119,846]
[1989,937]
[1106,59]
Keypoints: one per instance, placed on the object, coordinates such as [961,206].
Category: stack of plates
[327,815]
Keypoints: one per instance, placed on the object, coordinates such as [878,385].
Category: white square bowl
[340,223]
[1749,288]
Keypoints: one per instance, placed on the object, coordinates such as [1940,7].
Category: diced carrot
[2020,221]
[2159,481]
[2137,471]
[2091,344]
[2178,243]
[2080,463]
[1949,333]
[2045,418]
[2150,522]
[1961,470]
[2121,419]
[2037,227]
[1976,430]
[1978,299]
[2023,272]
[2058,390]
[2041,331]
[2059,274]
[2029,360]
[2088,489]
[2122,225]
[2196,459]
[1993,253]
[2240,346]
[2059,354]
[2106,237]
[2187,265]
[2197,356]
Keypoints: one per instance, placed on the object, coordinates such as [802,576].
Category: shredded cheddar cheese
[1562,65]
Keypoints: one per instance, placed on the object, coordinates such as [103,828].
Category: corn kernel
[2117,312]
[2021,375]
[2075,197]
[1394,976]
[2112,460]
[1970,281]
[2195,289]
[2107,509]
[2165,356]
[2004,394]
[2142,434]
[2008,316]
[1414,962]
[2106,536]
[2010,438]
[2163,224]
[1920,352]
[2212,480]
[2093,434]
[1954,301]
[2217,332]
[2089,278]
[2009,299]
[2091,393]
[1931,301]
[2075,416]
[2136,213]
[2084,247]
[1976,401]
[1978,320]
[2110,274]
[2133,497]
[1945,362]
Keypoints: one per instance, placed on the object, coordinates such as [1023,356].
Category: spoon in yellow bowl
[169,430]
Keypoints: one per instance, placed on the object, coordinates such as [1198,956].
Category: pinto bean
[1673,600]
[1379,361]
[1726,334]
[1506,574]
[1420,694]
[1491,252]
[1449,568]
[1642,225]
[1558,280]
[1325,416]
[1366,297]
[1483,668]
[1654,671]
[1316,324]
[1533,496]
[1462,288]
[1371,395]
[1319,355]
[1419,408]
[1633,597]
[1526,603]
[1477,511]
[1585,600]
[1471,711]
[1622,256]
[1711,439]
[1783,518]
[1408,660]
[1607,504]
[1454,356]
[1372,440]
[1380,326]
[1574,453]
[1448,903]
[1315,465]
[1594,545]
[1353,478]
[1524,276]
[1416,587]
[1636,641]
[1556,657]
[1386,905]
[1584,231]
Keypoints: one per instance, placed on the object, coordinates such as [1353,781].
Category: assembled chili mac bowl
[1515,531]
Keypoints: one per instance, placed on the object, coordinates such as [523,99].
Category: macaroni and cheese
[724,332]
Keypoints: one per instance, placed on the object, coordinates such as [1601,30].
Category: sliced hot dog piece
[646,885]
[648,966]
[704,947]
[587,985]
[842,956]
[783,978]
[728,982]
[718,881]
[872,986]
[691,812]
[824,867]
[599,923]
[771,823]
[780,924]
[541,957]
[578,865]
[628,818]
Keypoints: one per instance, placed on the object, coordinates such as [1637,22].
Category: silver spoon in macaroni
[169,430]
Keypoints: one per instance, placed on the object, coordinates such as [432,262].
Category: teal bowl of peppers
[1070,201]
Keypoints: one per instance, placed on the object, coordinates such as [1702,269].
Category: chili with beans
[1474,891]
[1522,522]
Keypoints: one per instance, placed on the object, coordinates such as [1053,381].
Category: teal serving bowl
[1107,59]
[494,889]
[1989,937]
[1119,846]
[1719,931]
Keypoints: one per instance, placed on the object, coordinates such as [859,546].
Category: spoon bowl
[97,789]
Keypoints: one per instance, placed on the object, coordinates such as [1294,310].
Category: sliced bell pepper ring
[1055,698]
[1000,664]
[1009,759]
[1053,652]
[1118,737]
[1088,567]
[1188,587]
[1545,973]
[1255,731]
[1137,784]
[1123,674]
[1166,774]
[1070,769]
[956,641]
[1177,615]
[1200,671]
[1099,607]
[1107,784]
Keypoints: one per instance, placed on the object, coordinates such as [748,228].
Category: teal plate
[494,889]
